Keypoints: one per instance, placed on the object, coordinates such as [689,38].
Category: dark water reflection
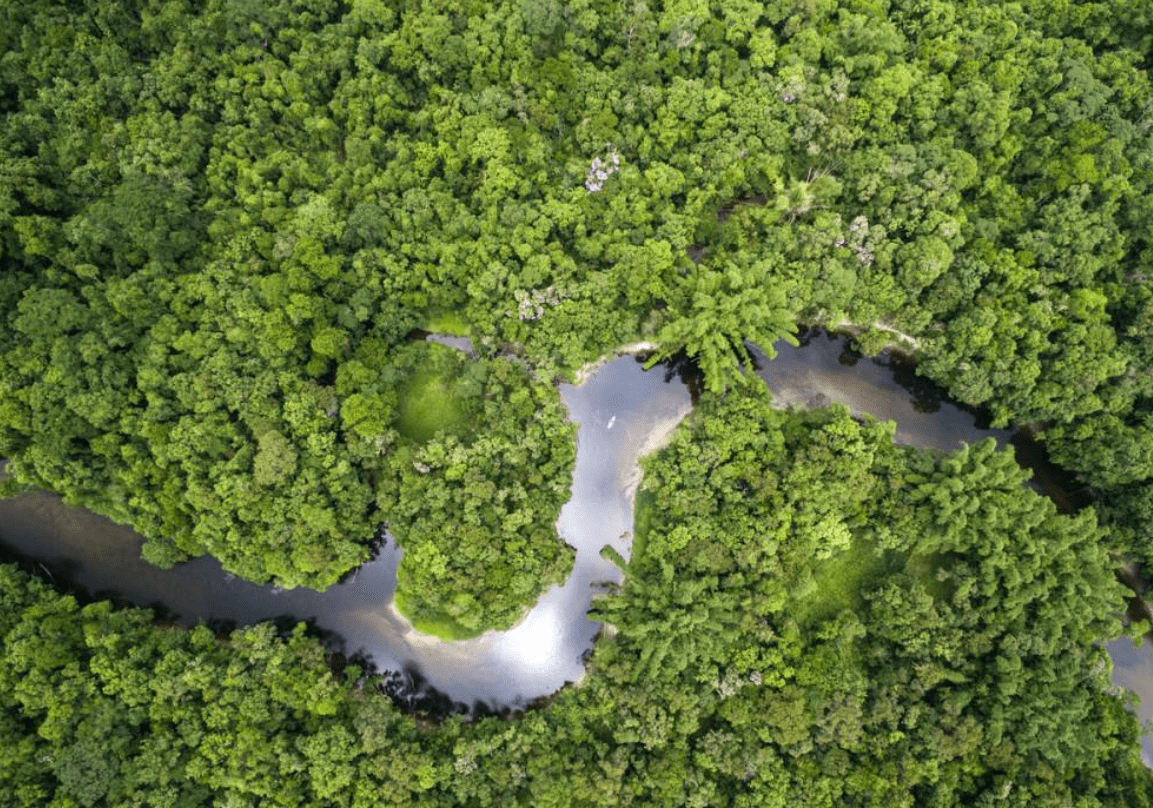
[623,413]
[826,369]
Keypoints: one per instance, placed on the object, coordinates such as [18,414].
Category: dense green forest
[814,616]
[221,221]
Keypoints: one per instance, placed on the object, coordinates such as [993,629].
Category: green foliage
[475,505]
[968,660]
[724,311]
[219,221]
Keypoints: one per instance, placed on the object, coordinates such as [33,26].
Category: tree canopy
[811,615]
[221,221]
[210,212]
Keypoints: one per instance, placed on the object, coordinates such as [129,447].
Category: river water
[623,413]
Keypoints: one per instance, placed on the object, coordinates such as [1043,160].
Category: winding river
[623,413]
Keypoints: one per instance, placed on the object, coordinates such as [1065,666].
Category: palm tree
[721,311]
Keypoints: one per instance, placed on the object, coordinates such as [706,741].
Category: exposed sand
[657,437]
[913,342]
[631,348]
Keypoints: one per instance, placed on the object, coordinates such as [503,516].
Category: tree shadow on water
[927,395]
[806,334]
[410,691]
[684,368]
[379,542]
[848,357]
[61,574]
[222,627]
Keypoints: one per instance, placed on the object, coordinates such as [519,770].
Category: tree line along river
[623,413]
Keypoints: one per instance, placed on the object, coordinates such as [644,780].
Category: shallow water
[1133,670]
[823,369]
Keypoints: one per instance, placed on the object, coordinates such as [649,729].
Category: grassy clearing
[449,323]
[838,582]
[430,399]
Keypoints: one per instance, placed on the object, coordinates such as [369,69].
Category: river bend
[623,413]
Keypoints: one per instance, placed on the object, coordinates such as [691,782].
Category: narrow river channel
[624,413]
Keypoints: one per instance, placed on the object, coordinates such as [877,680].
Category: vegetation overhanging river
[624,413]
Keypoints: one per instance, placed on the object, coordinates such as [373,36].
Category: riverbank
[624,413]
[630,349]
[906,345]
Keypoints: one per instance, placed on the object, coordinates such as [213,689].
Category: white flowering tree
[601,169]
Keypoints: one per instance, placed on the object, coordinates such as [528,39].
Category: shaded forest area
[219,222]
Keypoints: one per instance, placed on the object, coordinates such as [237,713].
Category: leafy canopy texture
[219,221]
[727,309]
[816,617]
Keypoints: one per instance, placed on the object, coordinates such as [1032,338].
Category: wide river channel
[624,413]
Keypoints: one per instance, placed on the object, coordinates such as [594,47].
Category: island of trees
[221,222]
